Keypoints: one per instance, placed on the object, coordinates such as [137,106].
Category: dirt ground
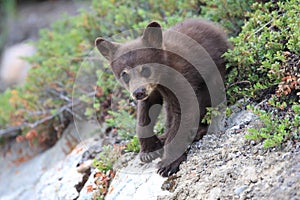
[227,166]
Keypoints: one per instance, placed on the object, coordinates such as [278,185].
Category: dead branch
[15,130]
[238,83]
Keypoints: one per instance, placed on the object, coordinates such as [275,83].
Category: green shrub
[264,63]
[118,16]
[48,88]
[5,107]
[231,14]
[122,120]
[260,55]
[106,159]
[276,129]
[133,145]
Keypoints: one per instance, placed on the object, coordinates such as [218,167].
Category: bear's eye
[145,72]
[125,76]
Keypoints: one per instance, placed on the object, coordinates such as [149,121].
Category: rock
[220,166]
[13,68]
[240,189]
[67,178]
[242,118]
[215,193]
[51,174]
[235,169]
[85,193]
[84,166]
[59,181]
[136,181]
[18,179]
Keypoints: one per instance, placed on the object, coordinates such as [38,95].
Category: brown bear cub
[181,69]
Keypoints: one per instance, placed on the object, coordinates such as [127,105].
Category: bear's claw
[149,156]
[165,168]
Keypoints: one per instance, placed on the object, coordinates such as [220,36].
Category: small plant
[104,163]
[102,182]
[133,145]
[215,112]
[123,120]
[159,127]
[5,108]
[276,128]
[107,158]
[211,112]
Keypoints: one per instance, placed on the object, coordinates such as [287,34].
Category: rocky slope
[225,166]
[222,165]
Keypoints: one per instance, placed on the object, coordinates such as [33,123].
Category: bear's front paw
[151,148]
[149,156]
[165,168]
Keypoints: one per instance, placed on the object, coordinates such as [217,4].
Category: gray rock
[51,174]
[59,181]
[13,68]
[136,181]
[215,193]
[84,193]
[240,189]
[236,120]
[19,180]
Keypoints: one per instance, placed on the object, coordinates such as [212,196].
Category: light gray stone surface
[13,67]
[136,181]
[51,174]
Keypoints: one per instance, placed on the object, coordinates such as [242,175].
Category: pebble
[281,179]
[241,189]
[290,183]
[286,155]
[84,166]
[254,179]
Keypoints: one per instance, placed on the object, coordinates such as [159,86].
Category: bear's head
[135,63]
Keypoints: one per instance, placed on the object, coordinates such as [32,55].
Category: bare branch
[11,131]
[238,83]
[15,130]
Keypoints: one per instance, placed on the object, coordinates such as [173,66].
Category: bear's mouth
[142,93]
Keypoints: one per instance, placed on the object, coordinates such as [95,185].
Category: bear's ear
[106,48]
[153,35]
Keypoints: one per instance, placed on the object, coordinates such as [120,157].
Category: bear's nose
[140,93]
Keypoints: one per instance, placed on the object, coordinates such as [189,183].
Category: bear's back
[210,36]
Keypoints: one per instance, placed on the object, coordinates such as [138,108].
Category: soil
[227,166]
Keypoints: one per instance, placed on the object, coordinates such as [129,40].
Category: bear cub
[174,69]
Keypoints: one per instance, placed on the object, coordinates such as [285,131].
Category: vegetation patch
[264,58]
[280,124]
[265,67]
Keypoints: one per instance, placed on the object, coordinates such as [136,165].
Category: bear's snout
[140,94]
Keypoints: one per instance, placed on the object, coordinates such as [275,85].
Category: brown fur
[134,53]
